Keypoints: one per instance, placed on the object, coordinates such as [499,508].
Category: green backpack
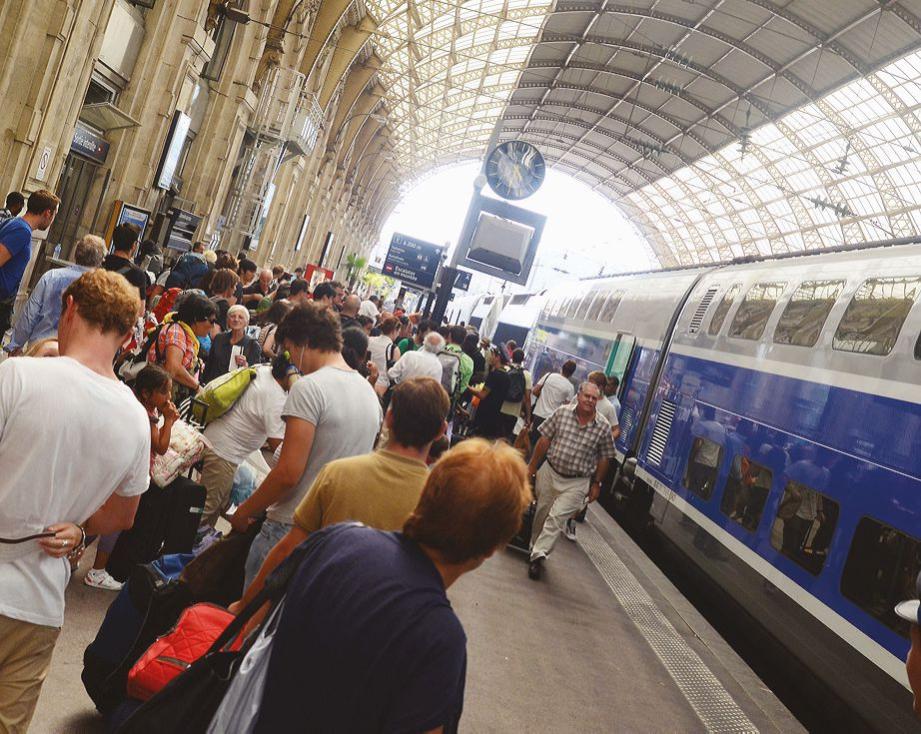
[221,394]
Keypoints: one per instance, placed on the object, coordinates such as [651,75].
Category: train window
[804,525]
[880,571]
[610,306]
[573,308]
[746,492]
[755,310]
[703,466]
[874,317]
[804,316]
[585,305]
[596,307]
[719,313]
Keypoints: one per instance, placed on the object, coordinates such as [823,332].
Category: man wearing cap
[908,610]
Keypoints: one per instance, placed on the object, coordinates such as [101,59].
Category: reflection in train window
[874,317]
[755,310]
[703,466]
[719,313]
[804,316]
[573,308]
[746,491]
[610,306]
[597,304]
[880,571]
[804,525]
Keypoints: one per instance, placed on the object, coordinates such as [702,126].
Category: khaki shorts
[25,656]
[217,475]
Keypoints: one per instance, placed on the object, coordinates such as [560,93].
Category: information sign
[462,280]
[414,262]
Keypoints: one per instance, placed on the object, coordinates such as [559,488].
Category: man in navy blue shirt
[367,640]
[16,248]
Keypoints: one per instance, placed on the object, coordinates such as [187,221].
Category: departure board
[414,262]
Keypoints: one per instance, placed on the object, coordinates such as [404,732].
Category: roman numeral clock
[515,169]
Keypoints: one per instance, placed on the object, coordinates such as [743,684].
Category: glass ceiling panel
[835,170]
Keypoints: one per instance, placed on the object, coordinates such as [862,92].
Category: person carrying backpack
[518,398]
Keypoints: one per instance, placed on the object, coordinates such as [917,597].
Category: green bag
[221,394]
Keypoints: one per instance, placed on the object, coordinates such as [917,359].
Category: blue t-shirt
[367,640]
[16,237]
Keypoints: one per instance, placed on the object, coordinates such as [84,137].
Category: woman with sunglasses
[176,347]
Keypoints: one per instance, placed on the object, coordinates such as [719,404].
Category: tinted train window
[804,525]
[746,492]
[719,313]
[755,310]
[703,466]
[880,571]
[585,305]
[802,320]
[610,306]
[874,317]
[595,309]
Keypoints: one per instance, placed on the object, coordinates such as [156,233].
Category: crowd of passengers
[402,454]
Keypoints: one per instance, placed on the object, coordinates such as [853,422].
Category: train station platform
[603,643]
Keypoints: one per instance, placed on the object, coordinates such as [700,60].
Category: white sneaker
[570,530]
[99,578]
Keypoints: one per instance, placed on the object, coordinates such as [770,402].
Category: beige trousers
[25,656]
[217,475]
[558,499]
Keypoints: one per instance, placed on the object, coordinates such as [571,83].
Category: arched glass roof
[724,128]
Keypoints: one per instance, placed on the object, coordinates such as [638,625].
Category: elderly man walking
[423,363]
[578,445]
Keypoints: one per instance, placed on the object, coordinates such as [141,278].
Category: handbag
[195,631]
[189,701]
[186,447]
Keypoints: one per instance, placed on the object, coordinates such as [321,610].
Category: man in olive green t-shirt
[379,489]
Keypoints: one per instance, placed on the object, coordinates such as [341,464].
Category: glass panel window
[596,307]
[874,317]
[880,571]
[719,313]
[804,525]
[755,310]
[746,492]
[703,466]
[804,316]
[584,305]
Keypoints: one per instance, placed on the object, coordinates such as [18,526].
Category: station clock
[515,169]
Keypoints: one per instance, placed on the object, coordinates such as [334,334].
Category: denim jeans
[268,537]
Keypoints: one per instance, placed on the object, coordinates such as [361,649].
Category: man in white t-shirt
[75,452]
[552,391]
[421,363]
[332,412]
[255,419]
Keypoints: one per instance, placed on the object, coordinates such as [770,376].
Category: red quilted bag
[197,629]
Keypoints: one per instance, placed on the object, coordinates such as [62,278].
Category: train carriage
[771,415]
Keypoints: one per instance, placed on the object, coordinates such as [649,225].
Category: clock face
[515,169]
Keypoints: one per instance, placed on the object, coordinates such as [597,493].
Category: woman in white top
[384,352]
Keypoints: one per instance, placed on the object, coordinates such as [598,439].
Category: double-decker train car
[771,423]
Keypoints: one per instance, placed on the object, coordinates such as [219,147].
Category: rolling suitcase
[522,539]
[166,522]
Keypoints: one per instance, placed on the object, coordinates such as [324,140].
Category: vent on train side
[701,311]
[660,434]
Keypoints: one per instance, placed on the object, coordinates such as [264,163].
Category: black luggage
[522,539]
[166,522]
[147,606]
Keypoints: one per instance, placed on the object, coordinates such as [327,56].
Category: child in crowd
[153,387]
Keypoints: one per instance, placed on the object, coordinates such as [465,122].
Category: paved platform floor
[603,643]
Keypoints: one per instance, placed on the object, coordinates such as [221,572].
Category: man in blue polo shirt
[16,248]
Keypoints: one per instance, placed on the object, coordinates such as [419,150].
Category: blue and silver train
[771,432]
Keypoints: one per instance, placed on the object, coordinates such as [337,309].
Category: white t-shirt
[416,364]
[69,439]
[347,414]
[555,391]
[255,417]
[380,347]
